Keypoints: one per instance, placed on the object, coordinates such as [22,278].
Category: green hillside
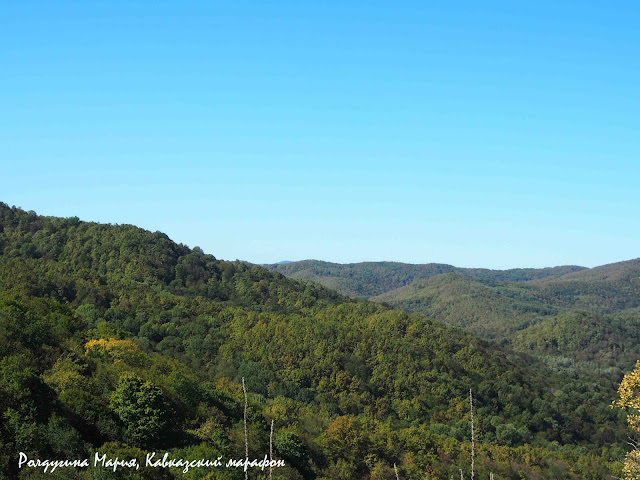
[488,310]
[609,344]
[116,339]
[586,319]
[524,309]
[368,279]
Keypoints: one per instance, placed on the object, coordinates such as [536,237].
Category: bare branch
[271,451]
[473,439]
[246,434]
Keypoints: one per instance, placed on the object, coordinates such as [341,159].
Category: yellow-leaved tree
[629,397]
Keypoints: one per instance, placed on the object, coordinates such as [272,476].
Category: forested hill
[116,339]
[587,319]
[571,317]
[368,279]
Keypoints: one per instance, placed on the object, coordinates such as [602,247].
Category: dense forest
[570,317]
[368,279]
[115,339]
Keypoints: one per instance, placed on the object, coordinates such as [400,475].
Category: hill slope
[118,339]
[501,305]
[528,315]
[368,279]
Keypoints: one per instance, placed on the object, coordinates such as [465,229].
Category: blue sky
[494,134]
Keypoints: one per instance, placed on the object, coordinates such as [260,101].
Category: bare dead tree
[271,451]
[246,433]
[473,439]
[395,469]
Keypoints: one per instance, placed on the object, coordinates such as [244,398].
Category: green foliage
[140,406]
[571,317]
[115,338]
[368,279]
[585,320]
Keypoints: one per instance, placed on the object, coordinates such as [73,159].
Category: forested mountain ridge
[367,279]
[587,319]
[525,309]
[93,315]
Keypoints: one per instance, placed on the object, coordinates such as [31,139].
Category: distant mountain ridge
[567,315]
[368,279]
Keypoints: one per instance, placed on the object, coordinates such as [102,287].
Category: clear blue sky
[496,134]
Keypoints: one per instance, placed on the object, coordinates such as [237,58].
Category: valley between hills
[568,316]
[119,340]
